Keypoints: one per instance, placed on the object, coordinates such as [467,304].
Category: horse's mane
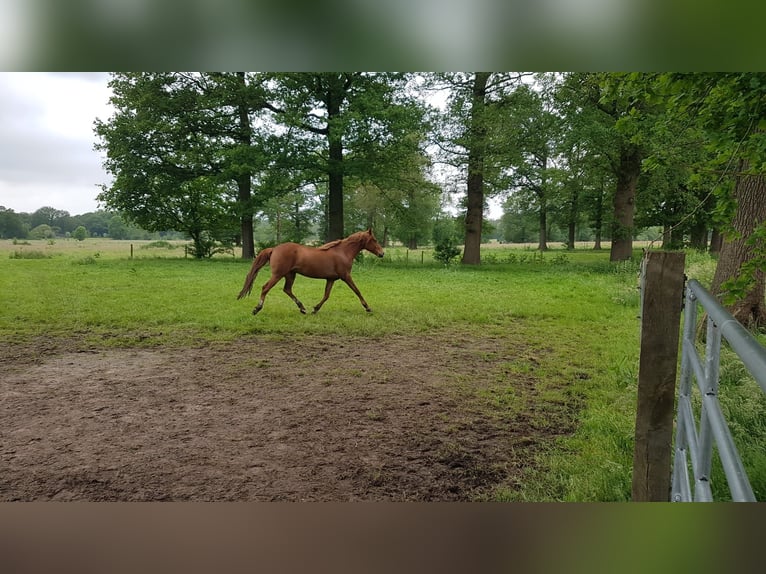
[331,244]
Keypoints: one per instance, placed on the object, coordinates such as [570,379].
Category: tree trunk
[750,195]
[698,236]
[244,183]
[335,165]
[335,191]
[475,184]
[542,242]
[572,223]
[666,236]
[716,239]
[625,203]
[246,220]
[598,222]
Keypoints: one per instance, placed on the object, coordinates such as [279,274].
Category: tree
[250,154]
[518,224]
[403,201]
[56,219]
[739,276]
[159,156]
[533,131]
[469,144]
[622,99]
[729,107]
[97,222]
[80,233]
[345,127]
[11,224]
[291,215]
[477,135]
[42,231]
[118,228]
[182,150]
[620,109]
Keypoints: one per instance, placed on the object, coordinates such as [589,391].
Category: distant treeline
[50,223]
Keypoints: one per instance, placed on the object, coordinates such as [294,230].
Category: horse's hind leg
[264,291]
[289,280]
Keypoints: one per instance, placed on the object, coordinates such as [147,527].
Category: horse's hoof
[368,310]
[303,311]
[255,311]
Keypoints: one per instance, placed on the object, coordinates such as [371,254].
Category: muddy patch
[400,418]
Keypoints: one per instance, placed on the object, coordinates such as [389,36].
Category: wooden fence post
[662,282]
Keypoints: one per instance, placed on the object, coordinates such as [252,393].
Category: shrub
[80,234]
[42,232]
[446,251]
[29,255]
[162,244]
[204,246]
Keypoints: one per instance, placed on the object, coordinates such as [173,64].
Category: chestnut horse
[331,261]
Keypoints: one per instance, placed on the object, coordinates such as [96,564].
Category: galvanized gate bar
[753,355]
[736,476]
[712,426]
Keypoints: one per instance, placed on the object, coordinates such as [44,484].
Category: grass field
[572,315]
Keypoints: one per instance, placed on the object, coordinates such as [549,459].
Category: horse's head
[372,244]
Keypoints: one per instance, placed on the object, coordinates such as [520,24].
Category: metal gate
[696,446]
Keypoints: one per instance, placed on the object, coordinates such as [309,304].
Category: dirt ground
[394,419]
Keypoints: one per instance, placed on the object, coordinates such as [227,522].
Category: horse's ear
[369,230]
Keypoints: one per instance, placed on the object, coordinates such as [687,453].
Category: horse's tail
[262,259]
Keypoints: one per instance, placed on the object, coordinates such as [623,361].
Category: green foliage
[80,233]
[162,244]
[11,224]
[87,260]
[191,150]
[42,231]
[29,254]
[446,237]
[446,251]
[206,246]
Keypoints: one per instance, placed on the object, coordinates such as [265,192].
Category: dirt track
[324,420]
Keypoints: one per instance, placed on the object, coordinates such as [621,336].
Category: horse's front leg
[327,289]
[289,280]
[350,282]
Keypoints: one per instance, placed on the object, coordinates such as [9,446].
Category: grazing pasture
[146,379]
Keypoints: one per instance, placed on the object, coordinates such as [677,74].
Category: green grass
[573,312]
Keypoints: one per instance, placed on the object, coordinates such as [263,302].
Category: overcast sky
[46,140]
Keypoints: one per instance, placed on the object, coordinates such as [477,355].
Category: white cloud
[46,140]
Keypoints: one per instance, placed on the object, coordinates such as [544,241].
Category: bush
[162,244]
[204,246]
[446,251]
[80,234]
[42,232]
[29,255]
